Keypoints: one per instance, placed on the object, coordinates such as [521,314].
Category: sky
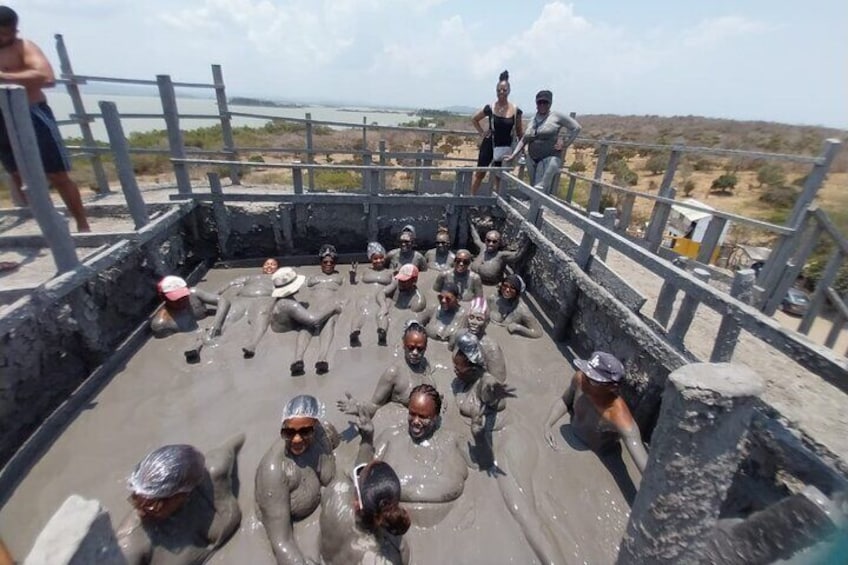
[772,60]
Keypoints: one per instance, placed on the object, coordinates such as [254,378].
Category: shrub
[656,163]
[577,167]
[725,183]
[771,175]
[780,196]
[623,175]
[688,187]
[337,180]
[256,159]
[703,165]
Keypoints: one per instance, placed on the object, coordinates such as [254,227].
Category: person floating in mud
[362,521]
[476,322]
[325,287]
[396,382]
[291,473]
[501,445]
[469,283]
[184,306]
[403,294]
[405,253]
[599,416]
[432,463]
[289,314]
[491,262]
[507,309]
[184,506]
[377,276]
[24,64]
[447,317]
[440,258]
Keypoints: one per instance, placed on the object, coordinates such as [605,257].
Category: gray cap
[601,367]
[546,95]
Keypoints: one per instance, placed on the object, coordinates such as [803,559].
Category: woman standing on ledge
[504,118]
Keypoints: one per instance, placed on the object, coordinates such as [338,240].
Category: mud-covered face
[508,291]
[328,265]
[493,241]
[378,261]
[462,367]
[442,242]
[448,301]
[422,417]
[477,322]
[414,347]
[405,242]
[298,433]
[408,284]
[270,266]
[461,263]
[157,508]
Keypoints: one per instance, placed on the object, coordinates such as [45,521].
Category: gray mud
[157,398]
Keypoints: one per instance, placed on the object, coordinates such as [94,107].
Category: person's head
[377,255]
[162,482]
[425,405]
[301,416]
[544,99]
[442,239]
[603,372]
[493,240]
[407,277]
[286,282]
[511,287]
[468,358]
[173,290]
[414,342]
[327,255]
[502,88]
[449,297]
[478,316]
[270,266]
[8,26]
[406,240]
[378,498]
[462,261]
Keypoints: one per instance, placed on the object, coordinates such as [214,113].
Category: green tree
[771,175]
[577,167]
[656,163]
[725,183]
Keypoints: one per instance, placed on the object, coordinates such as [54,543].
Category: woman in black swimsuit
[504,121]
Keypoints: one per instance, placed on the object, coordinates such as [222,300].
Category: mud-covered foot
[322,367]
[381,336]
[248,352]
[354,339]
[297,369]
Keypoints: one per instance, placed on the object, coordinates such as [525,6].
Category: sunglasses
[290,433]
[542,102]
[463,261]
[415,348]
[446,297]
[146,504]
[355,476]
[442,243]
[490,240]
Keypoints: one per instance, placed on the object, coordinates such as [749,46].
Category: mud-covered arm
[384,297]
[512,257]
[222,307]
[304,317]
[273,503]
[239,281]
[478,241]
[135,545]
[571,125]
[523,323]
[439,282]
[475,283]
[632,439]
[365,427]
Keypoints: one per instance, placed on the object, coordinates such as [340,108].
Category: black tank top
[502,128]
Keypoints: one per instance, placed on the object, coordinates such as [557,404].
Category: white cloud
[716,30]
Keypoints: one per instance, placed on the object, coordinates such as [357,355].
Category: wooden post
[226,125]
[572,182]
[792,269]
[123,163]
[827,279]
[288,229]
[626,213]
[608,221]
[382,147]
[100,178]
[416,183]
[667,295]
[219,209]
[659,218]
[364,133]
[727,337]
[310,156]
[14,107]
[814,181]
[297,180]
[595,192]
[175,136]
[840,318]
[711,240]
[686,313]
[584,252]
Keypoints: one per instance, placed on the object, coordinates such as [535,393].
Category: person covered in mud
[440,258]
[403,294]
[501,445]
[397,382]
[289,314]
[184,306]
[469,283]
[377,276]
[432,462]
[507,309]
[362,521]
[445,318]
[599,415]
[476,322]
[291,474]
[491,262]
[405,253]
[184,508]
[325,287]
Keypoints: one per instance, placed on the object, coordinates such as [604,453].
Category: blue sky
[757,59]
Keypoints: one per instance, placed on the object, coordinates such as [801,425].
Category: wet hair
[327,250]
[303,406]
[514,281]
[451,287]
[380,490]
[167,471]
[414,326]
[431,392]
[8,17]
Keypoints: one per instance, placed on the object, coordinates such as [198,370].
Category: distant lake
[60,102]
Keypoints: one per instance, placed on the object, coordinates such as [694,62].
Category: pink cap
[173,288]
[408,271]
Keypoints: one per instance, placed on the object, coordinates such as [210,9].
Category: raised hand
[363,424]
[348,405]
[353,267]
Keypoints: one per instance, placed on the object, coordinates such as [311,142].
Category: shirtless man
[432,463]
[184,506]
[405,254]
[469,283]
[325,287]
[397,382]
[377,276]
[443,320]
[403,294]
[290,476]
[492,260]
[440,257]
[23,63]
[599,416]
[476,323]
